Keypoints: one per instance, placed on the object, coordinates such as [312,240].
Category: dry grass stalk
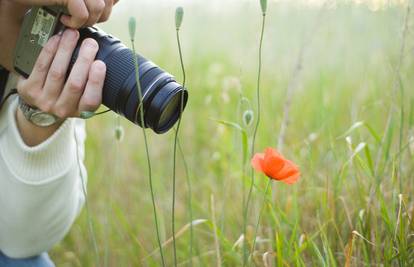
[348,253]
[294,80]
[216,240]
[396,84]
[178,234]
[268,259]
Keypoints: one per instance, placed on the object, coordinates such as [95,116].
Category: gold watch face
[43,119]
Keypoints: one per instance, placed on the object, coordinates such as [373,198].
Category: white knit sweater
[40,187]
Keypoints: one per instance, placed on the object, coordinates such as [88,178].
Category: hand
[86,12]
[82,13]
[46,88]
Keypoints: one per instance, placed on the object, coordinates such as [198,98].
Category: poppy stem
[260,215]
[140,110]
[179,14]
[190,206]
[254,135]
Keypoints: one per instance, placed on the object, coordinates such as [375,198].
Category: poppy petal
[272,152]
[257,162]
[273,163]
[275,166]
[288,170]
[292,179]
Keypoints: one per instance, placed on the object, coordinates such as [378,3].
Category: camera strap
[4,75]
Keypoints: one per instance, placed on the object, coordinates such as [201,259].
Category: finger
[107,11]
[67,103]
[92,96]
[31,88]
[26,91]
[41,68]
[79,14]
[57,73]
[95,8]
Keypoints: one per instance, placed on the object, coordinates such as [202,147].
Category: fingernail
[71,34]
[90,43]
[100,65]
[98,70]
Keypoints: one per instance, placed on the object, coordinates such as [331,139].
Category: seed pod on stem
[248,117]
[132,26]
[179,14]
[263,4]
[87,114]
[119,133]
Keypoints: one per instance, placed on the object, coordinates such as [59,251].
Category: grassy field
[350,74]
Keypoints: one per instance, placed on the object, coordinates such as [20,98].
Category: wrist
[32,134]
[36,116]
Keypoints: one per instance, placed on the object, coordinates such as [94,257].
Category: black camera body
[162,96]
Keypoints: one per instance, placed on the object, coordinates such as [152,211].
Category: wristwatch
[36,116]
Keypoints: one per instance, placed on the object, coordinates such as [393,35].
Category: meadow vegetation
[339,79]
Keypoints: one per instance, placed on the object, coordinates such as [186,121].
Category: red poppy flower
[275,166]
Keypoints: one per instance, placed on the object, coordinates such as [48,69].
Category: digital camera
[162,96]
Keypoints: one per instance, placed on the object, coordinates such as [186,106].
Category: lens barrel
[162,96]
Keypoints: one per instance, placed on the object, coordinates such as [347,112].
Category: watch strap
[28,112]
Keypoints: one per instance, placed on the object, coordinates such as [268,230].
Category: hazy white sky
[374,4]
[310,2]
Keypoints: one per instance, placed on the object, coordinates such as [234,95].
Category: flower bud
[179,14]
[119,133]
[87,114]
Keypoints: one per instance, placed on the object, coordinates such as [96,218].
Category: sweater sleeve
[41,188]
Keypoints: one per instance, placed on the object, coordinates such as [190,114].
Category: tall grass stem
[256,228]
[88,213]
[396,84]
[294,80]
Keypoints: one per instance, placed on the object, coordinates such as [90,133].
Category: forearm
[47,87]
[41,187]
[11,15]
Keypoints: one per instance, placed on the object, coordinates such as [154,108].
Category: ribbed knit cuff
[40,164]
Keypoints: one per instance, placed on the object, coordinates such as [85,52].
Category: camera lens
[171,108]
[166,106]
[162,96]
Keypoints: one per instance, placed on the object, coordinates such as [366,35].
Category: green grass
[346,207]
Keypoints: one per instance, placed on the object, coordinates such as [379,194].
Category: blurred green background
[356,67]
